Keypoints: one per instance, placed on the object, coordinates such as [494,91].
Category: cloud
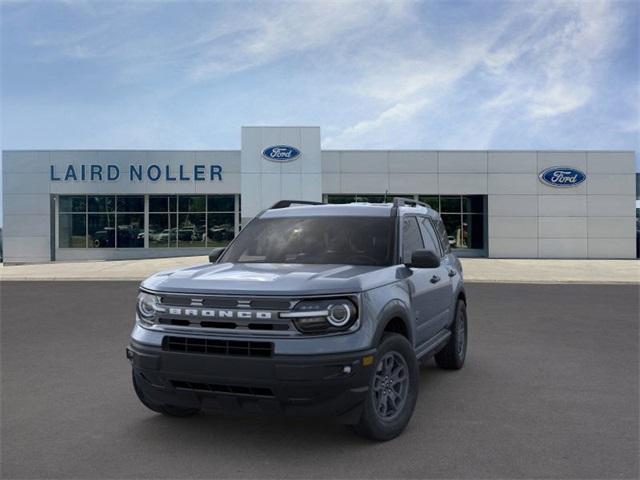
[538,60]
[550,69]
[395,74]
[229,38]
[258,37]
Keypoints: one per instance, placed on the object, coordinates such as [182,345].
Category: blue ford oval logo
[281,153]
[562,177]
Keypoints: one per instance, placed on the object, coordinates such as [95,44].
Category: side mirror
[424,259]
[215,254]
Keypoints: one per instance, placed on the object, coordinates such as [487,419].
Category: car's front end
[268,354]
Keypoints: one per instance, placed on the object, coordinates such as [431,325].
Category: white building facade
[120,204]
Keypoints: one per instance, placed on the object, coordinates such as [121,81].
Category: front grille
[209,302]
[264,325]
[236,314]
[226,302]
[229,389]
[217,347]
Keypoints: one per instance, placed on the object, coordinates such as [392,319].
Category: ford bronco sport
[312,309]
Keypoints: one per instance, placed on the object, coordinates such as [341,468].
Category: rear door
[422,283]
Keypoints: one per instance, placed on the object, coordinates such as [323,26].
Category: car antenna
[385,196]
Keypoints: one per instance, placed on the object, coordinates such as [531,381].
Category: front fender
[395,309]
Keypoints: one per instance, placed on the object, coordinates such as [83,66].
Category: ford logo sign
[562,177]
[281,153]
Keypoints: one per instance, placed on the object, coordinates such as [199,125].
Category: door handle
[452,273]
[435,279]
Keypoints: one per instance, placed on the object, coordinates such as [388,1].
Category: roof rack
[410,202]
[289,203]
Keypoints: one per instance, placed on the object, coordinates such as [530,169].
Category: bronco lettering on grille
[213,313]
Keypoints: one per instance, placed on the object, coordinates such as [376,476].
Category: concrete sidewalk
[475,270]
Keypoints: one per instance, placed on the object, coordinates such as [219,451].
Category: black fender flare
[394,309]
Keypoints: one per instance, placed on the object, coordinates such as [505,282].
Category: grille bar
[230,389]
[227,325]
[209,346]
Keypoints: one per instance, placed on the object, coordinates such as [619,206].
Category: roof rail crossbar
[288,203]
[401,202]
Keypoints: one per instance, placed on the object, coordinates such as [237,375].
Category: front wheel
[452,356]
[393,390]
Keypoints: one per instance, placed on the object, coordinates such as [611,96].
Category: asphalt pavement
[550,390]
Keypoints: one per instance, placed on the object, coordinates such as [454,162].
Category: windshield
[338,240]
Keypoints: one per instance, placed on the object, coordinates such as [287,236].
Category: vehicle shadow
[224,430]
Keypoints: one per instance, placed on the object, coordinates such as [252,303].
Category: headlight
[323,316]
[147,307]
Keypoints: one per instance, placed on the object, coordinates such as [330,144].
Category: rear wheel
[452,356]
[393,390]
[170,410]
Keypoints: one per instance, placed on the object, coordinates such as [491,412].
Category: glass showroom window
[463,217]
[221,219]
[191,220]
[130,221]
[101,221]
[192,225]
[162,221]
[72,221]
[364,197]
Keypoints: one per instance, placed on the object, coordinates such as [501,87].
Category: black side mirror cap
[424,259]
[215,254]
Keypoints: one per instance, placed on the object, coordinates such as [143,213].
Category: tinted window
[102,203]
[70,203]
[431,241]
[192,203]
[101,230]
[131,203]
[451,204]
[341,198]
[315,240]
[411,238]
[130,231]
[72,228]
[158,203]
[473,203]
[220,203]
[220,229]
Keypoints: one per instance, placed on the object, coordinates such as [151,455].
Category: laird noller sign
[135,173]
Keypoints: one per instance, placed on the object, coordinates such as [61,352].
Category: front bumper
[312,385]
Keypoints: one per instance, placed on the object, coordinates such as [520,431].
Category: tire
[452,356]
[375,424]
[169,410]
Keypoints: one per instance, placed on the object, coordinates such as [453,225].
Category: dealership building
[121,204]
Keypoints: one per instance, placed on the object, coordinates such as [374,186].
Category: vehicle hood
[270,279]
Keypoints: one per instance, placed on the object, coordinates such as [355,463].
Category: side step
[432,346]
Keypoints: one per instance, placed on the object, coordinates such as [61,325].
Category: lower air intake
[217,347]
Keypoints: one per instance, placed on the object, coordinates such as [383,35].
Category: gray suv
[313,309]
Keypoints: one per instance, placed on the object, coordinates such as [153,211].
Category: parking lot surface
[550,390]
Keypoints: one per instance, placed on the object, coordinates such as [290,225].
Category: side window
[411,238]
[442,233]
[431,241]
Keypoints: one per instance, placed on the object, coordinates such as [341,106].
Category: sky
[374,74]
